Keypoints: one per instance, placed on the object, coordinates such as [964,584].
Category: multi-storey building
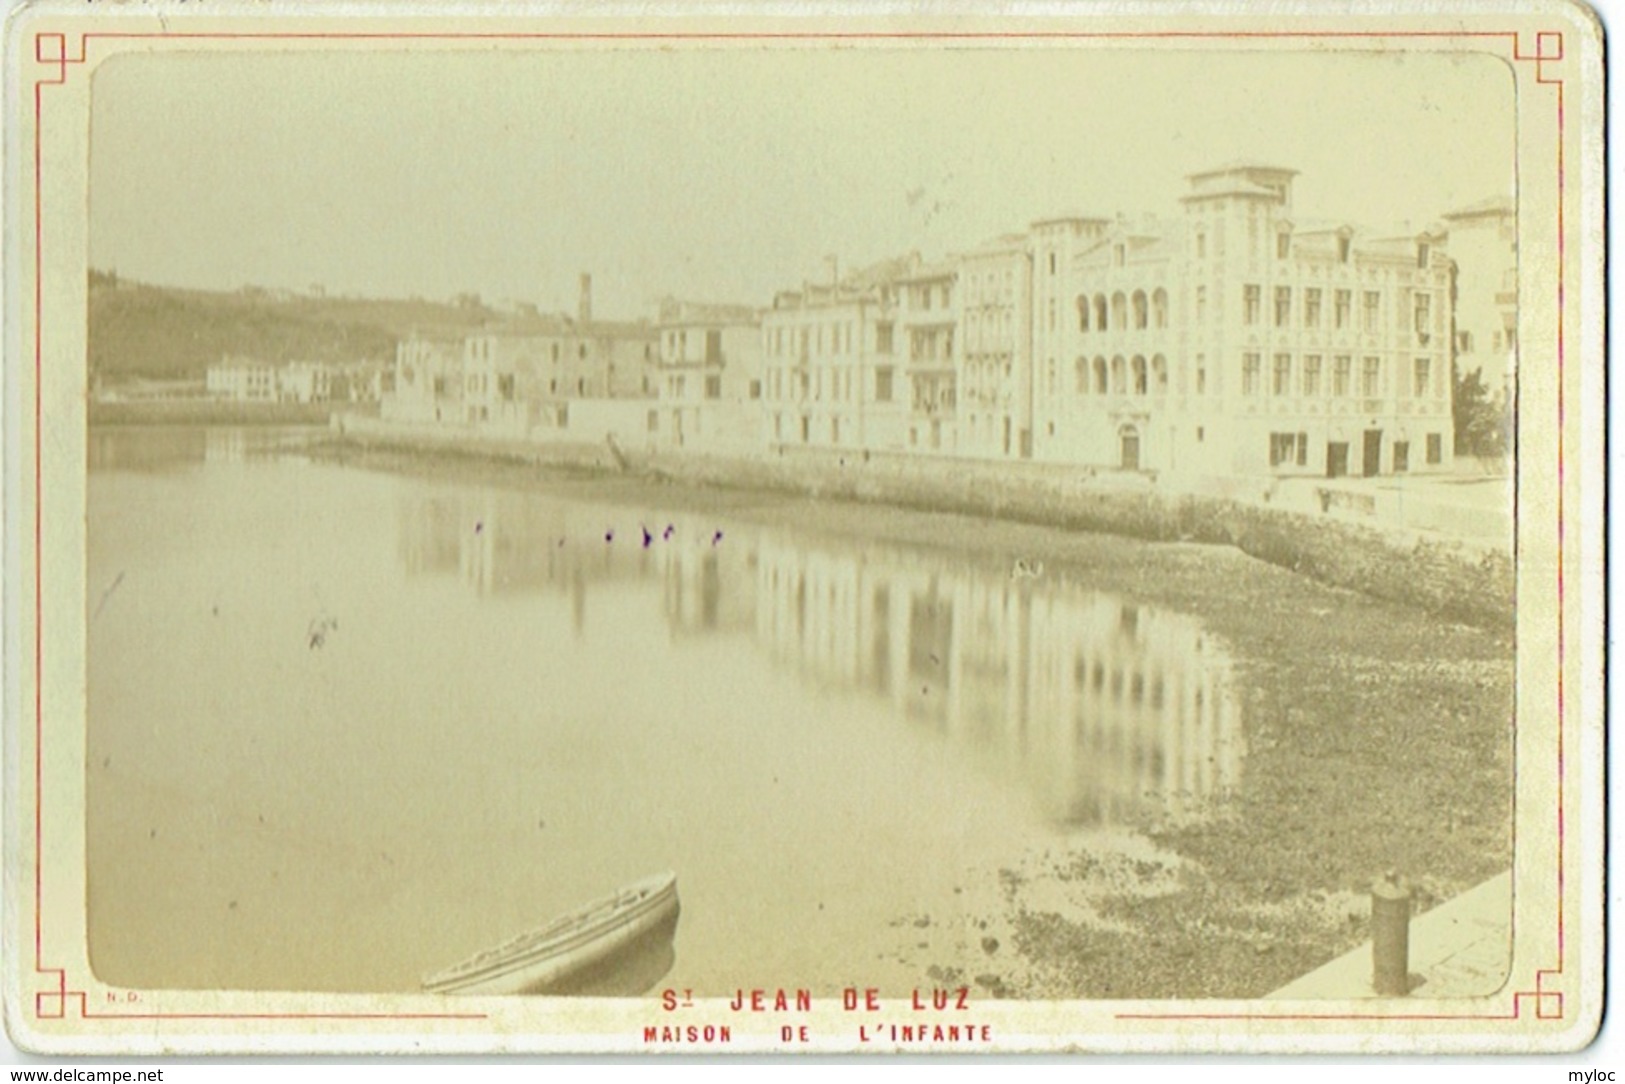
[241,379]
[1239,341]
[428,380]
[710,380]
[927,319]
[305,382]
[521,374]
[524,374]
[1058,318]
[995,390]
[1483,242]
[832,363]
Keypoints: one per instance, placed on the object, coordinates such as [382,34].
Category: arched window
[1119,312]
[1139,375]
[1100,312]
[1118,377]
[1159,374]
[1081,376]
[1139,309]
[1083,312]
[1100,376]
[1159,308]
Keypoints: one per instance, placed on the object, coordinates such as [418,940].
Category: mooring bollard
[1391,935]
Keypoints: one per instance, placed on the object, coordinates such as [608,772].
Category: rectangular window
[713,387]
[1435,448]
[1345,300]
[1303,449]
[1283,375]
[1464,342]
[1311,374]
[882,338]
[1283,306]
[1373,309]
[1371,378]
[1283,245]
[1283,448]
[1311,308]
[1252,299]
[1341,371]
[1201,374]
[755,389]
[1251,369]
[1424,315]
[1402,456]
[1421,378]
[883,382]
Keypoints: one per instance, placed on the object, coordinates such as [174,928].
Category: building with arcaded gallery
[1230,339]
[1237,339]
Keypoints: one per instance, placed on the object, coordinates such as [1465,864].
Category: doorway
[1373,452]
[1337,459]
[1130,439]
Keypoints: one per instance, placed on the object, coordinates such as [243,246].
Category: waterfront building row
[1233,339]
[1230,339]
[251,380]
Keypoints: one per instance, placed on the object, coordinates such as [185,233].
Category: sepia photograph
[849,542]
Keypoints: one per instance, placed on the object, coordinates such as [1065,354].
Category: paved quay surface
[1462,948]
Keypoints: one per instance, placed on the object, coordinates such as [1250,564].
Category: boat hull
[553,960]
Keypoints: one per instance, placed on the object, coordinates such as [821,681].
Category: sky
[726,174]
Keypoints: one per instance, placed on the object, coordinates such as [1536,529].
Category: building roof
[675,311]
[1241,165]
[881,272]
[1069,220]
[931,272]
[1492,206]
[553,325]
[1002,245]
[1238,187]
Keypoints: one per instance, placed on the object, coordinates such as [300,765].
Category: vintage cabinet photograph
[751,534]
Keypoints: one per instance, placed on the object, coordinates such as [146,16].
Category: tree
[1483,422]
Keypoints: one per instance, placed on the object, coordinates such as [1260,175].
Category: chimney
[584,305]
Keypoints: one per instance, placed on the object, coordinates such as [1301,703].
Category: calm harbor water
[347,727]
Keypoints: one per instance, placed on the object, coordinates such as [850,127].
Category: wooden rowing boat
[539,958]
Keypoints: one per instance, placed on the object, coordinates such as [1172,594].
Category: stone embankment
[1457,580]
[207,412]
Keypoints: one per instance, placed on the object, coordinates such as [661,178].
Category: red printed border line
[51,51]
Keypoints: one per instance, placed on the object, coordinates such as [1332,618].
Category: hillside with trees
[160,332]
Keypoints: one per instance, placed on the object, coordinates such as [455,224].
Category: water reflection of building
[155,448]
[509,543]
[708,584]
[1105,709]
[225,445]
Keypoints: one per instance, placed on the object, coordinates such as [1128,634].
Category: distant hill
[160,331]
